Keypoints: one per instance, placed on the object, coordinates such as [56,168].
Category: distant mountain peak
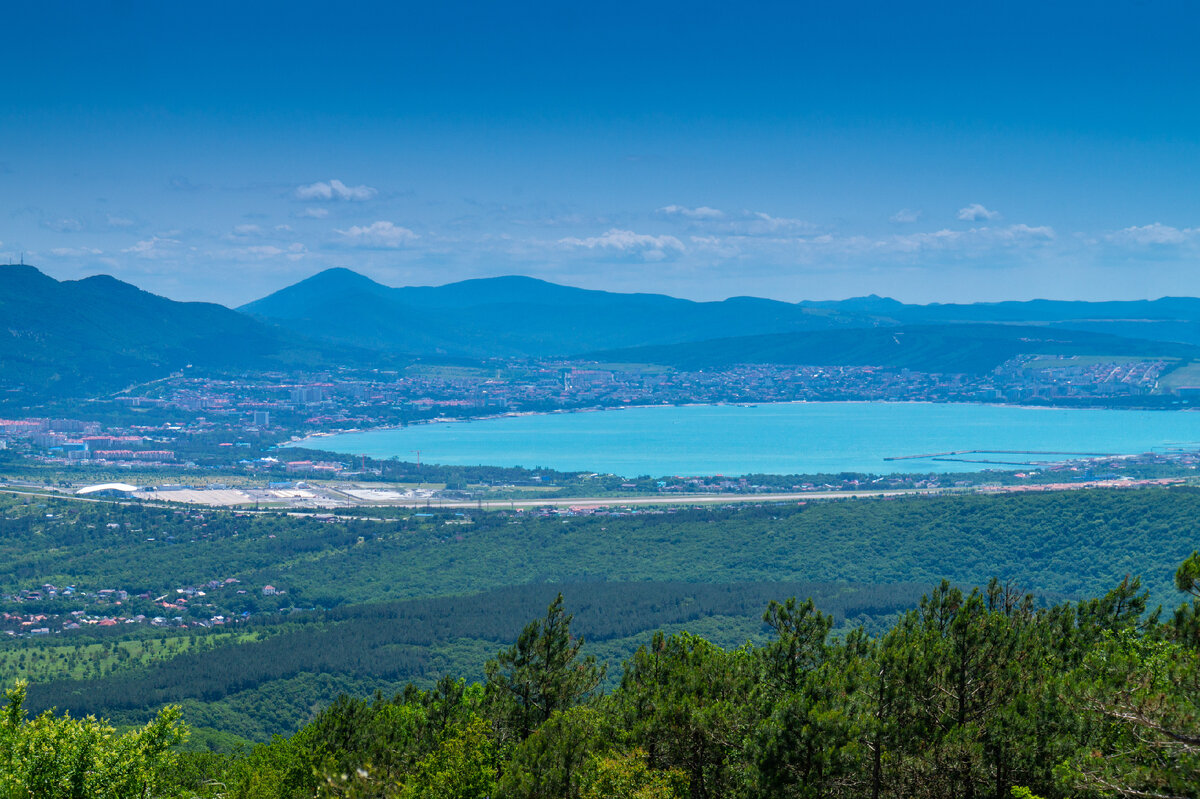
[23,274]
[339,276]
[874,300]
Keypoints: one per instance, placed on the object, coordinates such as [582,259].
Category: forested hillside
[359,604]
[977,693]
[949,348]
[1072,542]
[259,687]
[81,337]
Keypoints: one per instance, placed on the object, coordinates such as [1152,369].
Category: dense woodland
[693,691]
[223,681]
[980,694]
[1073,542]
[376,604]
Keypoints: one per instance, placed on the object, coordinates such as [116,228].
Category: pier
[953,455]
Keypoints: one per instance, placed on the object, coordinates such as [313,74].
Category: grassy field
[56,659]
[1050,362]
[644,368]
[1186,375]
[449,372]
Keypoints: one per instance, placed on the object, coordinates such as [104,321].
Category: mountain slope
[1165,319]
[958,348]
[99,334]
[517,316]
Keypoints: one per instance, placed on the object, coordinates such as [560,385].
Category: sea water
[782,438]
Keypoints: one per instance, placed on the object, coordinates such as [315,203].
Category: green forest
[394,656]
[979,694]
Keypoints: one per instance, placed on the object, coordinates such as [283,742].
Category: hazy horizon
[802,300]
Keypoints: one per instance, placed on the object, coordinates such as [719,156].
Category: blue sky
[928,151]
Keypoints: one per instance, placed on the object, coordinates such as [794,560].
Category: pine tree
[541,673]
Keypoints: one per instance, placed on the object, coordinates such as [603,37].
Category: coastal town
[169,421]
[219,439]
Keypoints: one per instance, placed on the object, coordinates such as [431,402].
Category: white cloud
[335,190]
[1155,233]
[70,252]
[153,247]
[283,228]
[722,247]
[974,212]
[378,234]
[1041,232]
[314,213]
[905,216]
[263,251]
[975,240]
[626,242]
[830,247]
[247,230]
[741,223]
[757,224]
[703,212]
[117,221]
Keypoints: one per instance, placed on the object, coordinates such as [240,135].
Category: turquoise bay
[788,438]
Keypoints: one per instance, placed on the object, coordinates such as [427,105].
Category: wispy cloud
[705,220]
[181,183]
[313,213]
[65,225]
[74,252]
[627,242]
[973,240]
[381,234]
[119,221]
[976,212]
[335,190]
[757,223]
[152,248]
[703,212]
[849,248]
[905,216]
[1153,234]
[262,252]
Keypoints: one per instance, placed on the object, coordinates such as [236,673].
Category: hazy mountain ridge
[522,316]
[517,316]
[951,348]
[99,334]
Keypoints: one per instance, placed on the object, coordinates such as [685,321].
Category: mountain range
[522,316]
[97,335]
[516,316]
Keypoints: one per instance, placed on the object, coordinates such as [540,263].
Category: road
[660,499]
[600,502]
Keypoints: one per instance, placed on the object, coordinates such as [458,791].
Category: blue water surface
[785,438]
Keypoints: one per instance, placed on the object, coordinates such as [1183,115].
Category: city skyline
[941,153]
